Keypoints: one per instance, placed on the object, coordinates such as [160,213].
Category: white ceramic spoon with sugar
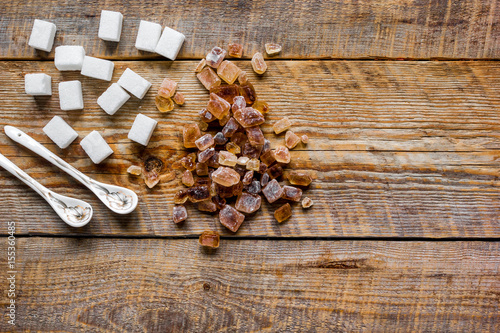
[119,199]
[74,212]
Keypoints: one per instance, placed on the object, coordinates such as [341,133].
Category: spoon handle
[27,141]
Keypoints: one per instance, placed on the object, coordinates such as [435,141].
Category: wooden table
[400,100]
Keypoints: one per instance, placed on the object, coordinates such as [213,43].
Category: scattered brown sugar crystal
[204,155]
[233,148]
[226,176]
[273,48]
[203,125]
[282,125]
[239,139]
[206,206]
[255,136]
[275,171]
[190,134]
[248,117]
[179,98]
[203,181]
[215,56]
[247,179]
[261,106]
[253,164]
[264,179]
[267,157]
[219,201]
[283,213]
[248,92]
[258,64]
[198,193]
[242,160]
[266,147]
[227,91]
[262,168]
[241,170]
[231,218]
[187,178]
[218,106]
[300,178]
[167,88]
[164,104]
[292,193]
[248,203]
[230,128]
[134,170]
[209,239]
[238,103]
[226,158]
[224,191]
[152,169]
[305,139]
[225,118]
[254,187]
[251,151]
[228,71]
[213,161]
[307,202]
[206,116]
[237,189]
[272,191]
[189,161]
[204,142]
[180,197]
[200,65]
[291,139]
[243,77]
[213,189]
[220,139]
[202,169]
[208,78]
[235,50]
[179,214]
[282,155]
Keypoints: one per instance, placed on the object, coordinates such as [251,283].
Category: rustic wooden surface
[404,153]
[414,29]
[154,285]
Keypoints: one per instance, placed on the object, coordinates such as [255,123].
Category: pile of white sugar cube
[150,38]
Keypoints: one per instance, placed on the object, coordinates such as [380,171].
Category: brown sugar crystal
[202,169]
[283,213]
[206,206]
[190,134]
[264,179]
[251,151]
[189,161]
[304,138]
[307,202]
[226,176]
[227,91]
[179,98]
[205,155]
[228,71]
[200,65]
[231,218]
[215,56]
[255,135]
[180,197]
[239,139]
[275,171]
[209,239]
[282,125]
[248,117]
[213,161]
[218,106]
[230,128]
[134,170]
[235,50]
[300,178]
[242,160]
[208,78]
[233,148]
[291,139]
[226,158]
[238,103]
[253,164]
[225,118]
[179,214]
[267,157]
[204,142]
[206,116]
[247,179]
[220,139]
[272,191]
[258,64]
[248,92]
[219,201]
[254,187]
[243,77]
[292,193]
[272,48]
[164,104]
[198,193]
[248,203]
[187,178]
[167,88]
[261,106]
[282,155]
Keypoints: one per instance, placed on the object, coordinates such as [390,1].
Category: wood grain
[113,285]
[406,149]
[414,29]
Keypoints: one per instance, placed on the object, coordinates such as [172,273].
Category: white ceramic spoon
[74,212]
[119,199]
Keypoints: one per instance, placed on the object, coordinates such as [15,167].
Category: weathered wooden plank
[306,29]
[148,285]
[397,149]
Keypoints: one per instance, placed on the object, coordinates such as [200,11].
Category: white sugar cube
[97,68]
[170,43]
[70,95]
[60,132]
[38,84]
[96,147]
[148,35]
[113,99]
[134,83]
[69,57]
[42,35]
[142,129]
[110,25]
